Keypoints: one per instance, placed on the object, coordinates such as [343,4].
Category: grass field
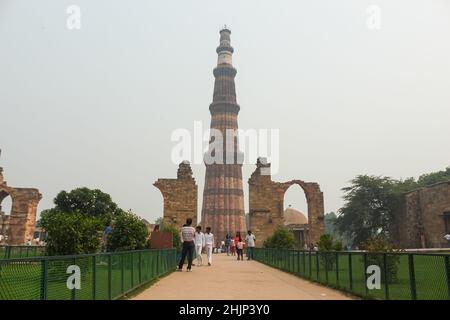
[26,279]
[431,278]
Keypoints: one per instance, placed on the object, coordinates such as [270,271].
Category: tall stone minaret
[223,196]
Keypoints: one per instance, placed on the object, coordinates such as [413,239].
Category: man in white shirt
[250,241]
[209,244]
[187,236]
[199,240]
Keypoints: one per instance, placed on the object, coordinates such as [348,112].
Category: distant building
[297,223]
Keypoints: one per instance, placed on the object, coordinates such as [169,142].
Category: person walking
[233,247]
[187,236]
[228,244]
[240,249]
[199,240]
[250,242]
[209,244]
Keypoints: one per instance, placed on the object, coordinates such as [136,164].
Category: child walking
[240,249]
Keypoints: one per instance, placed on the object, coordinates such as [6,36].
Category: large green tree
[88,202]
[76,223]
[370,203]
[129,233]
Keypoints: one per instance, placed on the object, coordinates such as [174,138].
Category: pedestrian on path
[250,241]
[233,247]
[187,236]
[228,244]
[199,240]
[236,238]
[209,244]
[240,249]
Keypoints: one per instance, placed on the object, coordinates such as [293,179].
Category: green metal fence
[10,252]
[103,276]
[404,276]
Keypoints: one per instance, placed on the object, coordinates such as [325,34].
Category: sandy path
[229,279]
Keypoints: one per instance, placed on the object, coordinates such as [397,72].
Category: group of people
[235,245]
[194,240]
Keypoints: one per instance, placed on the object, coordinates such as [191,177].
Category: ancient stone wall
[180,196]
[266,204]
[422,220]
[22,219]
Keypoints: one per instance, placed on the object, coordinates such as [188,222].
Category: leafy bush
[327,246]
[282,238]
[70,234]
[377,246]
[129,233]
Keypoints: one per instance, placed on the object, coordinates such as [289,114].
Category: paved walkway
[228,279]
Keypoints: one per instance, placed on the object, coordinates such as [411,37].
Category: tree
[129,233]
[369,209]
[282,238]
[434,177]
[327,245]
[176,237]
[94,203]
[70,234]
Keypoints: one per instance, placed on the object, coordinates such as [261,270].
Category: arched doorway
[295,214]
[5,214]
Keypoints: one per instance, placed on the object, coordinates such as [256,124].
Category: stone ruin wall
[180,197]
[421,219]
[22,220]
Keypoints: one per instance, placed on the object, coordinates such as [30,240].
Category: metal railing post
[447,267]
[365,274]
[110,276]
[74,262]
[386,277]
[412,277]
[140,267]
[132,270]
[44,279]
[337,268]
[310,264]
[122,275]
[94,277]
[350,273]
[317,265]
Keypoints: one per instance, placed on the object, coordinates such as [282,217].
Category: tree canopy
[372,202]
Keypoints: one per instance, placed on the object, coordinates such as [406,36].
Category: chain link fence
[402,276]
[104,276]
[11,252]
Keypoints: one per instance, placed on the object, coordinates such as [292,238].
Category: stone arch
[22,220]
[266,204]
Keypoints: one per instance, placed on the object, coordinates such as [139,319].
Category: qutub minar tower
[223,196]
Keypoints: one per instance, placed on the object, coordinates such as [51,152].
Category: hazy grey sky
[96,107]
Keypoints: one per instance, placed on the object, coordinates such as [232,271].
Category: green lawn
[430,275]
[22,279]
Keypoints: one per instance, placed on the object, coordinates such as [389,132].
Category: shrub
[327,247]
[129,233]
[70,233]
[282,238]
[378,246]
